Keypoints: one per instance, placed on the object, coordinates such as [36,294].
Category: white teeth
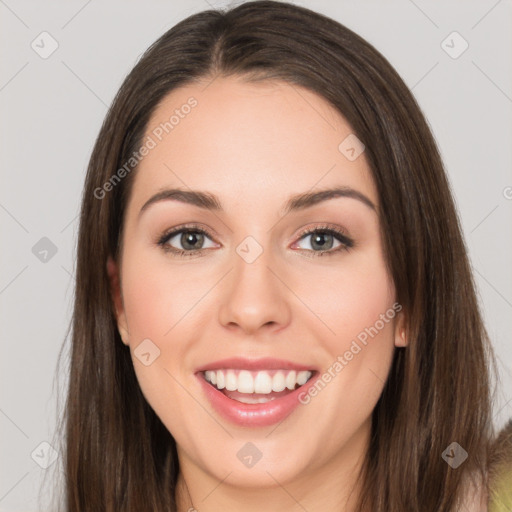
[262,382]
[231,381]
[290,380]
[278,382]
[251,400]
[211,376]
[221,382]
[245,382]
[302,377]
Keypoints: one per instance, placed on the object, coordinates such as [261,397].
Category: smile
[255,393]
[245,386]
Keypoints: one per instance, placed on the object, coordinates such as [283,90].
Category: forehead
[244,141]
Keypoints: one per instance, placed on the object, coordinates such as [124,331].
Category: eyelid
[346,242]
[323,227]
[185,227]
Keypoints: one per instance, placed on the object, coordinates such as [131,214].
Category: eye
[191,239]
[323,239]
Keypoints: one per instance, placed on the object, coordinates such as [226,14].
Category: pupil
[190,240]
[317,240]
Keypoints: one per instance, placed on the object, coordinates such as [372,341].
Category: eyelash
[346,243]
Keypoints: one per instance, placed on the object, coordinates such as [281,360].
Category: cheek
[158,307]
[156,298]
[163,303]
[356,306]
[360,356]
[348,299]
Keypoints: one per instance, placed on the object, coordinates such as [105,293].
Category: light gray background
[52,110]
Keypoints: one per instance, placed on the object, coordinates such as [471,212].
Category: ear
[401,339]
[115,292]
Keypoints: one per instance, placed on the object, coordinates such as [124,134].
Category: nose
[254,296]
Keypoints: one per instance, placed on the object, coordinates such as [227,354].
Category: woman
[217,363]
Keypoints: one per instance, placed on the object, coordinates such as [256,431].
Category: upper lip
[265,363]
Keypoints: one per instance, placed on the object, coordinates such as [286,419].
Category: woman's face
[260,304]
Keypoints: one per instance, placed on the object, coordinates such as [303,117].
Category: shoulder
[475,495]
[500,472]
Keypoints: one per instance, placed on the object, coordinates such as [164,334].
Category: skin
[254,145]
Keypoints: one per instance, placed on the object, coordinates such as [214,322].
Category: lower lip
[254,415]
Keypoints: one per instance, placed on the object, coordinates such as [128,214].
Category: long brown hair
[118,456]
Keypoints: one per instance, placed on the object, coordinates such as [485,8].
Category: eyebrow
[210,201]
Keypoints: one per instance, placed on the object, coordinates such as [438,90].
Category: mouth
[256,387]
[255,393]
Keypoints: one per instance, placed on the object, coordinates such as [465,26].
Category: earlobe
[115,293]
[401,331]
